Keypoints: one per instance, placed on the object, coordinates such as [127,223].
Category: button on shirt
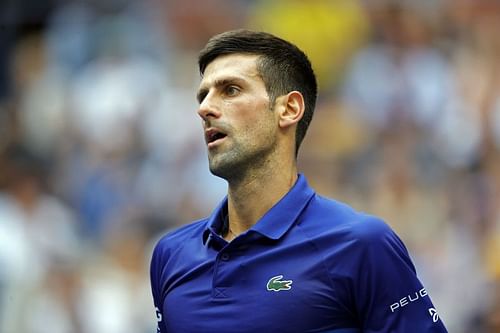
[310,264]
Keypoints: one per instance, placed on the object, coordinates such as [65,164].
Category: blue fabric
[310,264]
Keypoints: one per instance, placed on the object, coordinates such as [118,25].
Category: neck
[253,195]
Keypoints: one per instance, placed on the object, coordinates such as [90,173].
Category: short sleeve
[156,268]
[388,294]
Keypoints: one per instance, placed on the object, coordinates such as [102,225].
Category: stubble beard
[242,159]
[237,164]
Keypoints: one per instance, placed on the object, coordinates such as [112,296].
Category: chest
[264,287]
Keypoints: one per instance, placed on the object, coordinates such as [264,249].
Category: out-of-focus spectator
[101,96]
[114,283]
[38,234]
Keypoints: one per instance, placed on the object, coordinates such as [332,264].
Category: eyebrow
[203,91]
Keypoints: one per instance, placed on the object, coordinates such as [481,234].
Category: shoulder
[348,238]
[325,215]
[370,229]
[176,239]
[335,213]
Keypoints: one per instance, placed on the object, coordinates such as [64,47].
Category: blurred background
[101,149]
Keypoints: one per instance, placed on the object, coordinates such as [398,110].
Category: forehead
[240,66]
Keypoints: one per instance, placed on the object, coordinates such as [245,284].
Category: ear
[291,110]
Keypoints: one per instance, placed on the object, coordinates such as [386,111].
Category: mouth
[214,136]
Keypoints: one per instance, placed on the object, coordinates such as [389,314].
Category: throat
[249,201]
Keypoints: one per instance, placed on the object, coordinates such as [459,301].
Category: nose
[208,108]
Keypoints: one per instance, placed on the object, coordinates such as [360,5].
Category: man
[274,256]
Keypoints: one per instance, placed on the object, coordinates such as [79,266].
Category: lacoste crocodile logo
[276,284]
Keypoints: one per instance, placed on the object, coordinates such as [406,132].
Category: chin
[237,163]
[223,171]
[226,168]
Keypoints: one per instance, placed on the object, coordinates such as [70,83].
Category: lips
[213,135]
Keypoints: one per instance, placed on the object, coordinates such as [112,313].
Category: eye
[232,90]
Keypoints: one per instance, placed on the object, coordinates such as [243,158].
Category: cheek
[253,117]
[262,127]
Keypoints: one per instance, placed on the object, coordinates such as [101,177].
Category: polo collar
[215,222]
[275,221]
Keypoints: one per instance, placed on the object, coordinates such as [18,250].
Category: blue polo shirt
[310,264]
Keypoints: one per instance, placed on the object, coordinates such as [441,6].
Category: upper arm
[388,295]
[156,268]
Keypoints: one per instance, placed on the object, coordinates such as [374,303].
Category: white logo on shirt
[159,318]
[409,299]
[158,315]
[434,314]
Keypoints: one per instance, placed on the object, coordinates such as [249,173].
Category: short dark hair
[282,66]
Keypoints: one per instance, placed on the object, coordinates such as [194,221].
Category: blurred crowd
[101,150]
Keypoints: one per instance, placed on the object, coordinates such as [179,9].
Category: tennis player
[274,256]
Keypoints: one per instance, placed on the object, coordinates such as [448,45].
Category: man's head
[282,66]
